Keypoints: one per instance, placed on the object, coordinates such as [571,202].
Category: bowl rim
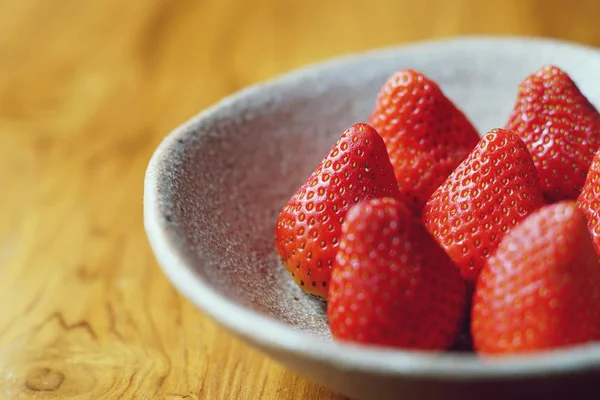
[263,331]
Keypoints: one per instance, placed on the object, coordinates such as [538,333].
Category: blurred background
[87,91]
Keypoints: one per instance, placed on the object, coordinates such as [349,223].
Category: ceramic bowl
[215,186]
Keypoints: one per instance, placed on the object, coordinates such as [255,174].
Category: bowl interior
[223,177]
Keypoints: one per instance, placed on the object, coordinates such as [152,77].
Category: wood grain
[87,90]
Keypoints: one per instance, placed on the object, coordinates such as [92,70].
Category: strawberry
[541,289]
[392,285]
[491,191]
[561,129]
[426,135]
[589,200]
[308,228]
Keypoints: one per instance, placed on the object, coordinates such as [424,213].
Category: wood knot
[44,380]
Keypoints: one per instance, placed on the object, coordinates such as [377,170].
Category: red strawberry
[589,200]
[491,191]
[308,227]
[391,283]
[426,135]
[541,289]
[561,129]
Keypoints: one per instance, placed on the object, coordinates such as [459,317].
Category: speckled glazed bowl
[216,184]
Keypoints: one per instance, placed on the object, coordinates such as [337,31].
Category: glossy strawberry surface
[489,193]
[589,200]
[561,129]
[541,289]
[426,135]
[308,227]
[392,285]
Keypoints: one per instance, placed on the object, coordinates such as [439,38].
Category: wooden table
[87,90]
